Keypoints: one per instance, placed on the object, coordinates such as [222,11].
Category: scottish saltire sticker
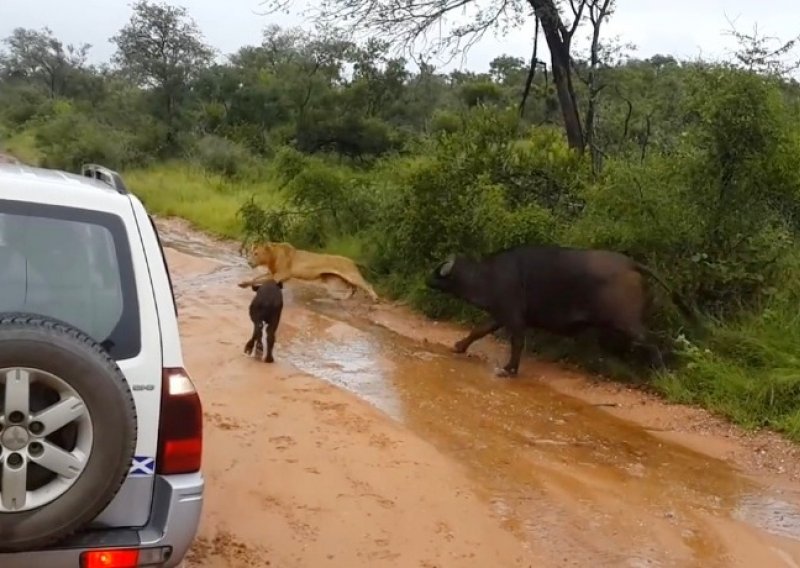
[143,465]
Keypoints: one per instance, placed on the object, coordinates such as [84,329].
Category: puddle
[772,513]
[521,439]
[543,459]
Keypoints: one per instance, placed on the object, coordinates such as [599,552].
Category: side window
[73,265]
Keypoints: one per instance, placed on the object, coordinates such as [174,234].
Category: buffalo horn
[446,268]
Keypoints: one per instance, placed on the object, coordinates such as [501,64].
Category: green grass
[207,201]
[747,371]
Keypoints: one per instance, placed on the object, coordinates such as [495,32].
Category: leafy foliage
[335,144]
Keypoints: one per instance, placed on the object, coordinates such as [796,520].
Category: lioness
[284,262]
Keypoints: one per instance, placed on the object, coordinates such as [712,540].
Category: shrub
[20,104]
[223,156]
[477,190]
[323,201]
[717,215]
[70,138]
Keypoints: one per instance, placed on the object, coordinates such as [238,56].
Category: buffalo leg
[637,340]
[650,351]
[654,355]
[517,343]
[512,367]
[615,342]
[482,330]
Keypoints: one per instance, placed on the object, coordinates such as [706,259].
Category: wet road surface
[567,479]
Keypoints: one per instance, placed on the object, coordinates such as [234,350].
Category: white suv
[100,425]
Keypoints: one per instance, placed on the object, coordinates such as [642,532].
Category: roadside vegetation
[688,166]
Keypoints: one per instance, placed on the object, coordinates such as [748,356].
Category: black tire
[50,345]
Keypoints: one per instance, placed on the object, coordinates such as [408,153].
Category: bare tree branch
[532,68]
[578,13]
[628,115]
[763,54]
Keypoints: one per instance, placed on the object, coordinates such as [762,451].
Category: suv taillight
[180,432]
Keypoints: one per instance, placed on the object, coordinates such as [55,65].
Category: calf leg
[490,326]
[270,344]
[272,328]
[264,329]
[250,346]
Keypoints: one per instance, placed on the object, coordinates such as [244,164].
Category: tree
[598,12]
[37,55]
[408,22]
[507,69]
[161,48]
[764,54]
[559,36]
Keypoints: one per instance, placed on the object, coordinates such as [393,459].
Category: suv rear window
[74,265]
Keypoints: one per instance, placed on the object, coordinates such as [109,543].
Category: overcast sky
[655,26]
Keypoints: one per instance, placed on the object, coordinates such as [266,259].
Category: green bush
[323,201]
[473,190]
[717,216]
[20,104]
[70,138]
[222,156]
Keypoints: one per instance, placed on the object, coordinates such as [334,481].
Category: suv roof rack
[106,175]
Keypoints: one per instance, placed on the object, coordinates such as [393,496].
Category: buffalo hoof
[460,347]
[505,373]
[269,359]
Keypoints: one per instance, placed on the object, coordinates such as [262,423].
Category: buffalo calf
[557,289]
[265,313]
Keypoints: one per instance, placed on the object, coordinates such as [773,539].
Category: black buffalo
[558,289]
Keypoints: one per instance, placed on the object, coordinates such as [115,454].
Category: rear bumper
[177,505]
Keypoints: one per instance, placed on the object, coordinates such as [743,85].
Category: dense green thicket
[693,169]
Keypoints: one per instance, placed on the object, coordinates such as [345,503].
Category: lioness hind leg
[358,281]
[343,288]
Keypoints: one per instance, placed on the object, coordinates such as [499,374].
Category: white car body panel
[131,506]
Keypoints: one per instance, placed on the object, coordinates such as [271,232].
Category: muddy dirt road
[368,444]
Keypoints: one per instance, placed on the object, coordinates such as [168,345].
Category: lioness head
[260,254]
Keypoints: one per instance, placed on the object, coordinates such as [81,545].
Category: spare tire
[67,430]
